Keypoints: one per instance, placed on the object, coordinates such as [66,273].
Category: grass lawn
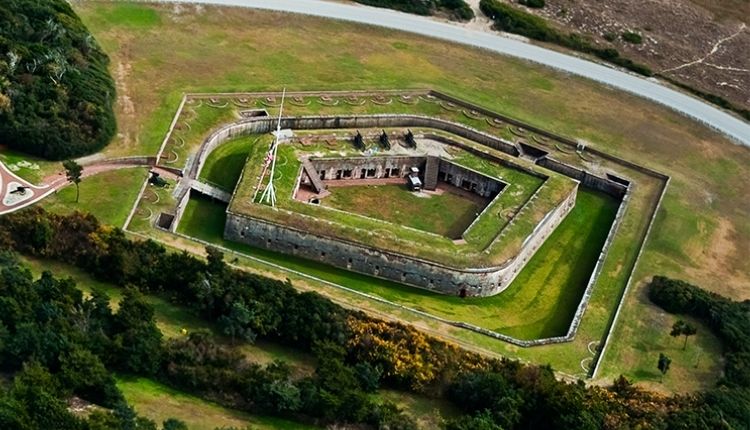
[447,214]
[224,165]
[539,303]
[159,402]
[28,167]
[107,195]
[694,368]
[701,235]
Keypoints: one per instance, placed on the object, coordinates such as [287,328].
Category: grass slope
[223,166]
[539,303]
[108,195]
[159,402]
[447,214]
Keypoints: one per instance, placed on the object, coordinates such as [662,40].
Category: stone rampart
[389,265]
[589,180]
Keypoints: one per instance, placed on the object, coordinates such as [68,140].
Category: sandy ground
[693,44]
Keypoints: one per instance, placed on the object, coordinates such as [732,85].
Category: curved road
[733,127]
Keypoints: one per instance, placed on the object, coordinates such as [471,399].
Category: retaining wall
[589,180]
[390,265]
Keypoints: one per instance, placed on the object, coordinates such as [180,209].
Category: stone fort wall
[386,166]
[390,265]
[393,266]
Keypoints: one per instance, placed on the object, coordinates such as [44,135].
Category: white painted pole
[269,194]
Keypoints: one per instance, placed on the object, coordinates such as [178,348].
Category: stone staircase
[317,183]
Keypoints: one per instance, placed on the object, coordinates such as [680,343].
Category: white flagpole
[269,194]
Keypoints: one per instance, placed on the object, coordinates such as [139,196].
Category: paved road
[731,126]
[12,200]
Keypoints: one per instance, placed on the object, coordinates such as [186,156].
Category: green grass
[108,195]
[447,214]
[159,402]
[539,303]
[28,167]
[224,165]
[131,16]
[483,247]
[238,50]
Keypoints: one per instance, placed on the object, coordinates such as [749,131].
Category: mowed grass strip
[447,214]
[107,195]
[159,402]
[539,303]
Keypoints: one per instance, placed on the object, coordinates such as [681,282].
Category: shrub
[536,4]
[632,37]
[56,94]
[457,9]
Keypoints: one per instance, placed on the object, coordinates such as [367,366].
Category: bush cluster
[59,344]
[507,18]
[355,354]
[56,94]
[632,37]
[728,405]
[456,9]
[536,4]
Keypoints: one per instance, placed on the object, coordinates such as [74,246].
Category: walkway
[11,200]
[651,89]
[210,190]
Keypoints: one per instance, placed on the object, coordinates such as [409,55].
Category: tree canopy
[56,94]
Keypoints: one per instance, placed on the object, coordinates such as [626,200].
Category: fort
[456,265]
[523,194]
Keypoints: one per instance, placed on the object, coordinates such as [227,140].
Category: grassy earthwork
[701,234]
[563,264]
[487,242]
[447,214]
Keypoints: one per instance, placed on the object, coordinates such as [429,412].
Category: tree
[663,365]
[73,172]
[174,424]
[138,340]
[479,421]
[236,323]
[215,259]
[56,93]
[85,374]
[682,328]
